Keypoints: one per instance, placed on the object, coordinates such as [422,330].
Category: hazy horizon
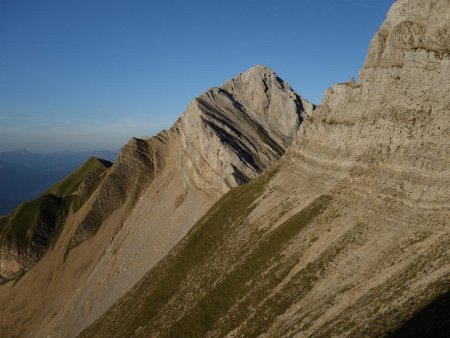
[82,75]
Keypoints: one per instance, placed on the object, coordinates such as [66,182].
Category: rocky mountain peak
[263,91]
[230,134]
[225,138]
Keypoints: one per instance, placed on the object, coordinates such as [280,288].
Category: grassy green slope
[70,184]
[233,276]
[50,208]
[18,228]
[214,276]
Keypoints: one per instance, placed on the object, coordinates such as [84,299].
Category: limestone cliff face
[396,118]
[229,135]
[348,236]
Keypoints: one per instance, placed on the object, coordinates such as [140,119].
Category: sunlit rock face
[229,135]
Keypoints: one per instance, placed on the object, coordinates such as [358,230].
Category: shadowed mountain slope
[27,233]
[348,236]
[25,176]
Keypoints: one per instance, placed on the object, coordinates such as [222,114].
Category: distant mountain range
[25,175]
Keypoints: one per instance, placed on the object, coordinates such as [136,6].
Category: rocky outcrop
[229,135]
[22,247]
[348,236]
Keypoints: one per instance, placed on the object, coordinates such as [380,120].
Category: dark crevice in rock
[238,148]
[239,176]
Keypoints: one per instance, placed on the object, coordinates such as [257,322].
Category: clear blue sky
[89,74]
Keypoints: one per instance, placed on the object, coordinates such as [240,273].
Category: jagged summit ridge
[264,92]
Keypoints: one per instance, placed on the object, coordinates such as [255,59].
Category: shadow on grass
[431,321]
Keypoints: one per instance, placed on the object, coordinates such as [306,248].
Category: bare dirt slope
[349,236]
[149,199]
